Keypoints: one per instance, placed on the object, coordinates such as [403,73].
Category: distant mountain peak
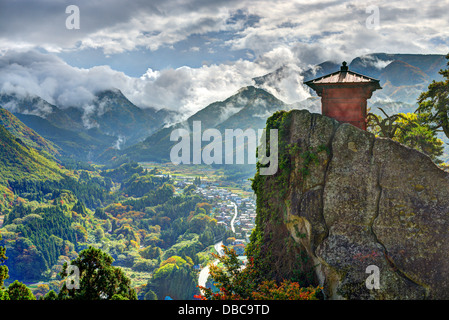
[112,92]
[249,90]
[244,89]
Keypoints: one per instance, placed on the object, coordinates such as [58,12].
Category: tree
[99,233]
[80,208]
[100,214]
[411,129]
[41,290]
[51,295]
[19,291]
[151,252]
[238,282]
[188,190]
[98,279]
[436,102]
[16,290]
[4,295]
[150,295]
[386,127]
[4,274]
[118,297]
[287,290]
[197,181]
[175,277]
[417,134]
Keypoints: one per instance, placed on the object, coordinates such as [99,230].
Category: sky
[185,54]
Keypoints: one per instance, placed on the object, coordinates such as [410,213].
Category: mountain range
[248,108]
[114,129]
[111,121]
[402,76]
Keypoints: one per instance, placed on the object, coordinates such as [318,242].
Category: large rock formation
[350,201]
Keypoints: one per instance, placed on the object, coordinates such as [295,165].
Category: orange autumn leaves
[237,281]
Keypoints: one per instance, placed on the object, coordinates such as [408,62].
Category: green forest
[129,213]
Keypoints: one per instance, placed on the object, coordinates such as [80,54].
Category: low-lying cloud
[184,89]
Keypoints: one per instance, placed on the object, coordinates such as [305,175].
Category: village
[236,212]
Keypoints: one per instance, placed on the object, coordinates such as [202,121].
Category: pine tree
[19,291]
[436,101]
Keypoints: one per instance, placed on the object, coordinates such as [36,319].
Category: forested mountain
[19,161]
[49,214]
[247,109]
[110,121]
[403,77]
[139,222]
[27,135]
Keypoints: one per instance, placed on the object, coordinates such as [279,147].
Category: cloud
[191,89]
[119,142]
[326,30]
[374,61]
[49,77]
[184,89]
[112,26]
[258,26]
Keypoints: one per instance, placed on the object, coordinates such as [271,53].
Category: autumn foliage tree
[239,282]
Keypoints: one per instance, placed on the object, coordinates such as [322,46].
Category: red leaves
[236,283]
[287,290]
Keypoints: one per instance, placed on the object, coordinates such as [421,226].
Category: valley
[72,179]
[152,215]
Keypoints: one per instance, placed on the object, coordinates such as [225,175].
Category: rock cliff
[343,200]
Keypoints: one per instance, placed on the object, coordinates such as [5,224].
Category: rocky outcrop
[351,201]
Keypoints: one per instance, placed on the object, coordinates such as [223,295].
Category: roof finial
[344,66]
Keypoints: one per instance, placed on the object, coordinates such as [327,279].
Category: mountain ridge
[243,103]
[32,139]
[18,161]
[112,121]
